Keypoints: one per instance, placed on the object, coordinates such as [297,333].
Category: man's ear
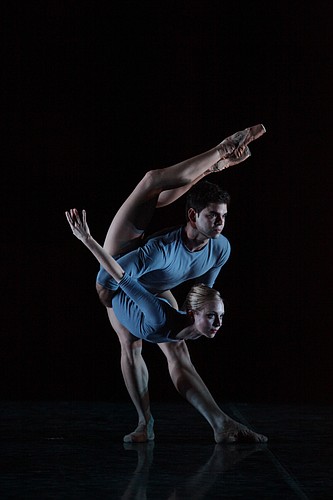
[192,215]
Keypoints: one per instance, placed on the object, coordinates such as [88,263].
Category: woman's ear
[190,313]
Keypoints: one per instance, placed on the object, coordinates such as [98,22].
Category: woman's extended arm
[81,230]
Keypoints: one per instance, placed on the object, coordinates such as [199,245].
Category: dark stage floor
[75,450]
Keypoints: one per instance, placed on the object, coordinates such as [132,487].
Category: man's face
[210,221]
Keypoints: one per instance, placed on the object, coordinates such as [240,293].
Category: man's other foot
[142,434]
[233,432]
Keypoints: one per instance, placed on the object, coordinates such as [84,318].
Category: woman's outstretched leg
[232,150]
[162,186]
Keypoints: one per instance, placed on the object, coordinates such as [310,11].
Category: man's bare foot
[142,434]
[234,432]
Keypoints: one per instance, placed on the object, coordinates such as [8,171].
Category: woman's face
[208,320]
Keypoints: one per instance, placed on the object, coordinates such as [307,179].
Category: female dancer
[149,317]
[159,188]
[141,312]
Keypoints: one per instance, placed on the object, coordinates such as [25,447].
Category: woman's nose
[218,322]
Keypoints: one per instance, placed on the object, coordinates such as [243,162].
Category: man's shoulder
[165,236]
[220,245]
[221,241]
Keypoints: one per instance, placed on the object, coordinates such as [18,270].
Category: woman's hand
[81,230]
[79,227]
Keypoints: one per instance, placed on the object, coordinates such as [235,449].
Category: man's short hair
[202,194]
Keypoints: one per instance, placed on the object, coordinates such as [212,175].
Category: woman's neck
[188,333]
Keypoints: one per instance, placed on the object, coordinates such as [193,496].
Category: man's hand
[79,227]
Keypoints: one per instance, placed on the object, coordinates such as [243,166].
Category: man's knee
[126,339]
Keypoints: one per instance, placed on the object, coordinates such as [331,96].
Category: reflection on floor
[56,450]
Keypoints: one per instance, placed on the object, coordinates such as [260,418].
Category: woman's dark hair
[202,194]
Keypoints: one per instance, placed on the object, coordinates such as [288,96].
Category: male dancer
[167,261]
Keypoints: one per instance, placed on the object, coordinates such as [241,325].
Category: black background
[94,94]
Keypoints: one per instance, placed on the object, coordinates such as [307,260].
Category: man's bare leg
[190,385]
[135,374]
[187,382]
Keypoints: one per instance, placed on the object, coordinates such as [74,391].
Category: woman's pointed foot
[240,140]
[232,160]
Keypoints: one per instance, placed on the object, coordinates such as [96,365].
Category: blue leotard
[146,316]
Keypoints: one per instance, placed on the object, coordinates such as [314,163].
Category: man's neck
[192,239]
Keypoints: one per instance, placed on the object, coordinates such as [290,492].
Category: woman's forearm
[105,259]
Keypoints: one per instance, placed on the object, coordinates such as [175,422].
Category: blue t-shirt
[164,262]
